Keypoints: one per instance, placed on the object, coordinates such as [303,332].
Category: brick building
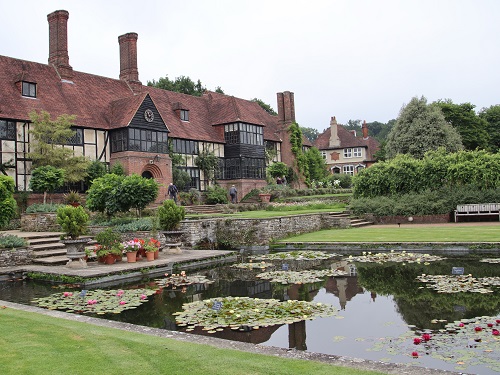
[344,151]
[122,120]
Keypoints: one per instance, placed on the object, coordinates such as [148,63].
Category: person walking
[233,194]
[172,192]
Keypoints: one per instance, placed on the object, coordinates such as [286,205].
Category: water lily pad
[394,256]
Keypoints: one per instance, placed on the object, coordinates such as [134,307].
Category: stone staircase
[204,209]
[47,248]
[355,221]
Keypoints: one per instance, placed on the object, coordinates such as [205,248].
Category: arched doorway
[147,174]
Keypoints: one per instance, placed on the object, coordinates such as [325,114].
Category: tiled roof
[347,139]
[106,103]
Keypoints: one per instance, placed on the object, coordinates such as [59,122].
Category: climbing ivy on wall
[296,143]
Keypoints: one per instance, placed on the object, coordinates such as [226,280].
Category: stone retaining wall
[256,232]
[40,222]
[16,257]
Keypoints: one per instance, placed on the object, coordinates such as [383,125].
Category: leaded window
[7,130]
[142,140]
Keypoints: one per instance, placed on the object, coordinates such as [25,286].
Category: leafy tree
[419,128]
[103,195]
[46,179]
[208,163]
[379,130]
[316,166]
[492,116]
[216,195]
[137,192]
[117,168]
[472,128]
[353,125]
[95,170]
[265,106]
[310,133]
[296,143]
[182,84]
[219,90]
[7,201]
[49,136]
[277,169]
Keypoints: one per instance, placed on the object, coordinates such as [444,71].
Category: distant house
[122,120]
[344,151]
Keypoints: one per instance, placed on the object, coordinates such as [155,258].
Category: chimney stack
[58,43]
[334,135]
[128,61]
[286,107]
[365,130]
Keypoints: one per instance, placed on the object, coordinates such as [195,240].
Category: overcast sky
[353,59]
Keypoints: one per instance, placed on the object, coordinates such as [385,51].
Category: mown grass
[33,343]
[405,233]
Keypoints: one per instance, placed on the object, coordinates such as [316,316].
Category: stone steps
[203,209]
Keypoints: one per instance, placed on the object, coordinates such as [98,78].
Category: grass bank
[405,233]
[33,343]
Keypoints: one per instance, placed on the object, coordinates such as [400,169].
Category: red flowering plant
[152,245]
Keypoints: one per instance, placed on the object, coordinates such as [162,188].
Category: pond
[384,312]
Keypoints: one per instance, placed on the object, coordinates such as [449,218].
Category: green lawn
[405,233]
[33,343]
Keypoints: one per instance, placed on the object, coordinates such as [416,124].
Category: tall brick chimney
[364,128]
[58,43]
[128,61]
[334,134]
[286,107]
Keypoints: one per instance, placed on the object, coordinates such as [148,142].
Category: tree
[265,106]
[379,130]
[137,192]
[316,165]
[419,128]
[180,177]
[47,149]
[95,170]
[310,133]
[492,116]
[277,169]
[353,125]
[117,168]
[472,128]
[103,195]
[208,163]
[182,84]
[46,179]
[7,201]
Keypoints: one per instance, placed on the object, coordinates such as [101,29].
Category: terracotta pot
[118,257]
[131,256]
[157,254]
[150,256]
[265,198]
[109,259]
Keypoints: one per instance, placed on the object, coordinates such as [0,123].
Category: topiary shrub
[170,215]
[73,221]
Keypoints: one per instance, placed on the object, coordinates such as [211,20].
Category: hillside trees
[492,116]
[472,129]
[419,128]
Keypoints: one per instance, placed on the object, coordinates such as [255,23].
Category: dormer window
[29,89]
[184,115]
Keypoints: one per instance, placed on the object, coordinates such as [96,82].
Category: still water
[382,308]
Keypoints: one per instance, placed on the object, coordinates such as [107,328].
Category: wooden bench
[477,209]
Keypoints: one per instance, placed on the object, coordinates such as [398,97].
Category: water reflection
[375,302]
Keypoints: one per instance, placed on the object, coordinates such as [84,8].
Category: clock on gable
[149,115]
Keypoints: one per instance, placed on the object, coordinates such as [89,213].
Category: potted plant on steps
[73,222]
[109,247]
[169,217]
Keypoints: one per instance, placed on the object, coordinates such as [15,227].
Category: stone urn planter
[172,241]
[75,251]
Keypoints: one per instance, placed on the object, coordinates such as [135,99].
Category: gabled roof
[347,140]
[106,103]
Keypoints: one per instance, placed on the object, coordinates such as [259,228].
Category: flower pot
[265,198]
[156,254]
[109,259]
[118,257]
[150,256]
[131,256]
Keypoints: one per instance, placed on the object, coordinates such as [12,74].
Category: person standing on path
[172,192]
[233,193]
